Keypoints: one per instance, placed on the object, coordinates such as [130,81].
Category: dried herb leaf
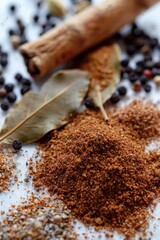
[99,103]
[80,6]
[38,113]
[56,8]
[113,64]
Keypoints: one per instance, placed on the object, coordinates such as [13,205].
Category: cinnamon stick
[79,33]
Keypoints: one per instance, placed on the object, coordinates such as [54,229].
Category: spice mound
[102,174]
[141,120]
[7,168]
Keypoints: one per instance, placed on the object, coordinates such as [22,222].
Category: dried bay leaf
[56,8]
[38,113]
[80,6]
[99,102]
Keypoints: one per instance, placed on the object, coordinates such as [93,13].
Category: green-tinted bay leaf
[38,113]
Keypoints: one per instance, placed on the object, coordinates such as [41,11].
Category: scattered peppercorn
[48,16]
[11,32]
[133,77]
[89,103]
[115,98]
[17,145]
[2,80]
[144,80]
[157,65]
[25,89]
[39,4]
[147,88]
[19,77]
[36,18]
[122,90]
[13,8]
[11,96]
[26,82]
[4,105]
[9,87]
[4,61]
[125,62]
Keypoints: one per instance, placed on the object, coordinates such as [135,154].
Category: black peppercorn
[4,105]
[139,70]
[17,145]
[26,82]
[133,77]
[3,61]
[143,80]
[2,81]
[140,64]
[48,16]
[11,97]
[25,89]
[36,18]
[11,32]
[18,77]
[9,87]
[12,8]
[125,62]
[155,71]
[137,32]
[39,4]
[157,65]
[4,54]
[153,42]
[122,90]
[147,88]
[115,98]
[89,103]
[131,49]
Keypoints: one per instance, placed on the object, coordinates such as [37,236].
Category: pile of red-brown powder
[101,170]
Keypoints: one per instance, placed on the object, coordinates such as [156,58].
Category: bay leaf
[38,113]
[100,103]
[56,7]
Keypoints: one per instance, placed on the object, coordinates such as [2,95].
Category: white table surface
[150,21]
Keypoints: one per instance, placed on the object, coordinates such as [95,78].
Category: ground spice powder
[38,218]
[98,63]
[101,170]
[7,170]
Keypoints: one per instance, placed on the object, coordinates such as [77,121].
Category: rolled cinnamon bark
[79,33]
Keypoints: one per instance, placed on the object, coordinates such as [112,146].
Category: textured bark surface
[79,33]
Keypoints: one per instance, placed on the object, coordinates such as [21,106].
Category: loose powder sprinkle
[101,170]
[38,219]
[7,170]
